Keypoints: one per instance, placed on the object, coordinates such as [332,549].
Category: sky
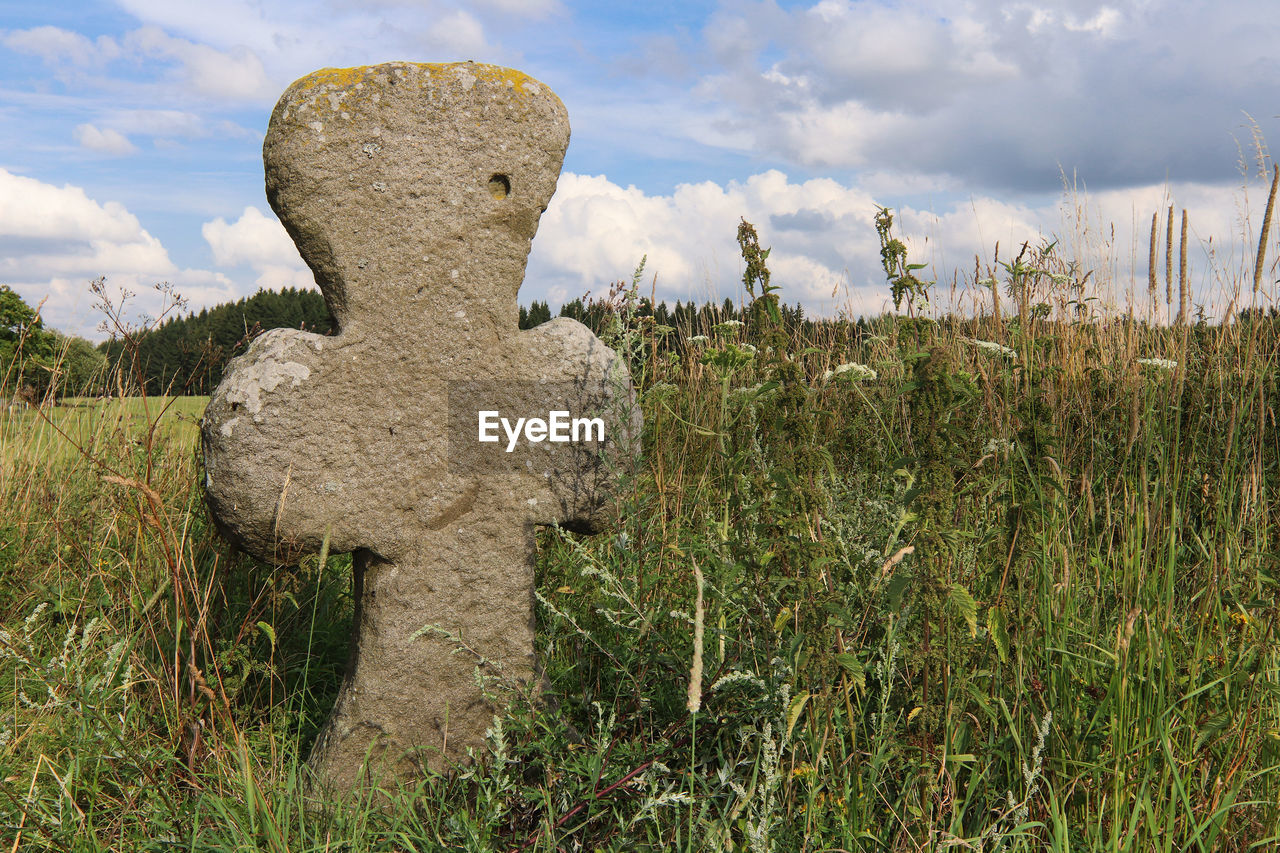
[131,134]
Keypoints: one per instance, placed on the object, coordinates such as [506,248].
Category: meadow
[1000,580]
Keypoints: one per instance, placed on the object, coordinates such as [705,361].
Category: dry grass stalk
[694,701]
[1168,259]
[1266,231]
[995,288]
[898,557]
[1152,283]
[1184,295]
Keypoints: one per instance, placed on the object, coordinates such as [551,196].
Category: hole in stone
[499,186]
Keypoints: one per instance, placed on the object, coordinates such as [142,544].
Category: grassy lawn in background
[57,430]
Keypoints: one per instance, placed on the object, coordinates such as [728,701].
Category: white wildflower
[34,617]
[852,371]
[748,392]
[737,676]
[699,340]
[729,326]
[999,446]
[992,347]
[1160,363]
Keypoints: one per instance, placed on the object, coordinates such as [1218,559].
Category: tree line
[35,361]
[187,354]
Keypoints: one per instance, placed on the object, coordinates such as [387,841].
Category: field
[1000,583]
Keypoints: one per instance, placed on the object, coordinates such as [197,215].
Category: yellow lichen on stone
[333,94]
[347,78]
[341,77]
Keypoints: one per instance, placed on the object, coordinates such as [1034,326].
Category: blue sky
[130,134]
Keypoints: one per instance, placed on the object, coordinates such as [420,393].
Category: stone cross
[413,192]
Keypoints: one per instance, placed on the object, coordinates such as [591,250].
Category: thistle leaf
[851,665]
[965,606]
[794,710]
[999,630]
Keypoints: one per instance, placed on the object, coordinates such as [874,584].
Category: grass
[29,439]
[1014,591]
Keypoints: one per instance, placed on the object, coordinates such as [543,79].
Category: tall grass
[999,581]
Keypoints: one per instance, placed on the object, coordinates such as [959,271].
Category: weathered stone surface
[413,192]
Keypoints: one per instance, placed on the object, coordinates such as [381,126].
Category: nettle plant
[904,284]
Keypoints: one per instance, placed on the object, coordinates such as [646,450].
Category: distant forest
[187,354]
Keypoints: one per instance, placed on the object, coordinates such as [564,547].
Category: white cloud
[56,239]
[996,93]
[259,242]
[233,74]
[228,23]
[157,122]
[31,208]
[292,37]
[825,252]
[1106,22]
[595,232]
[461,32]
[523,8]
[104,141]
[54,45]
